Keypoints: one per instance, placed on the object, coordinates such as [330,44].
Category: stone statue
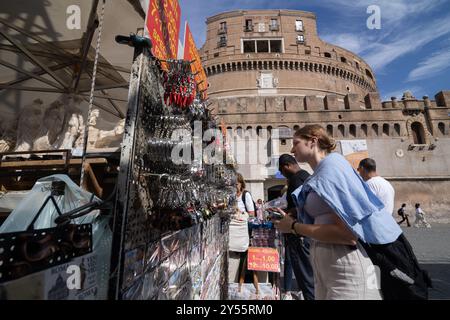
[57,127]
[60,126]
[7,137]
[29,125]
[112,138]
[407,95]
[104,138]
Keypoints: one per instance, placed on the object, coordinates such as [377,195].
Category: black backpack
[401,276]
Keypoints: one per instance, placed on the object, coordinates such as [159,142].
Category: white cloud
[352,42]
[392,11]
[415,90]
[380,55]
[431,66]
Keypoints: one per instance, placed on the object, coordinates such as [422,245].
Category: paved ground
[432,248]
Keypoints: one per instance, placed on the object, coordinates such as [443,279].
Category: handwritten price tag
[263,259]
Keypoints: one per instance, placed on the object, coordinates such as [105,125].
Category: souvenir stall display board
[170,217]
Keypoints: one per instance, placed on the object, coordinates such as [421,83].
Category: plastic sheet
[74,197]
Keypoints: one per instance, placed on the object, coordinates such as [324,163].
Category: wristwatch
[293,228]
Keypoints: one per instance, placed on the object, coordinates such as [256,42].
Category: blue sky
[411,51]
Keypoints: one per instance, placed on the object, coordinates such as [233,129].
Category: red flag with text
[191,54]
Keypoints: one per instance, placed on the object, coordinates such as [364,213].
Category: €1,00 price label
[263,259]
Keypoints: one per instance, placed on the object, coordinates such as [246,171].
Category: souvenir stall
[170,219]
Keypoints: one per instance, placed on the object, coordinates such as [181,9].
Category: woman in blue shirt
[335,209]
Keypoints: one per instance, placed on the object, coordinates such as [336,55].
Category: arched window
[374,130]
[343,59]
[369,74]
[352,131]
[269,141]
[418,133]
[258,130]
[330,130]
[239,131]
[441,127]
[397,129]
[364,130]
[341,130]
[386,129]
[249,131]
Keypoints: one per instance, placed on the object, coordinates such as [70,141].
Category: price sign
[263,259]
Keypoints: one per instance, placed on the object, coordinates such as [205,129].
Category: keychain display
[179,84]
[176,231]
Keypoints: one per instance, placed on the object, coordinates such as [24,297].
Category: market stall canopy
[47,48]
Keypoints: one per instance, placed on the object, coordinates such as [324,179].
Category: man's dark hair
[368,164]
[286,159]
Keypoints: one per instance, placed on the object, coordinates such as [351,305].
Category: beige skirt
[343,273]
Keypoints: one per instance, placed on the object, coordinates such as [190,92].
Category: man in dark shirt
[297,248]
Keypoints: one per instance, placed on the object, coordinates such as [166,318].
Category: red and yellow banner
[191,54]
[163,27]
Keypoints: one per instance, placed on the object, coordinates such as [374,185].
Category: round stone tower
[278,52]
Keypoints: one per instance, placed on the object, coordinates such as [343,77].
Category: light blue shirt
[342,188]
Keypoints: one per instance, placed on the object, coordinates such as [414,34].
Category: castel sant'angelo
[269,69]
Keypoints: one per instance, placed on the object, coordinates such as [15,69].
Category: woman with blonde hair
[336,208]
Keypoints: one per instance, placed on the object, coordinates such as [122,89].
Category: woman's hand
[284,225]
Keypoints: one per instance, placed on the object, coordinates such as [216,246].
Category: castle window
[249,46]
[222,41]
[352,131]
[327,55]
[357,65]
[275,46]
[343,59]
[283,142]
[299,25]
[369,74]
[262,46]
[397,129]
[223,27]
[386,130]
[258,130]
[418,133]
[364,130]
[341,130]
[330,130]
[239,131]
[269,142]
[374,130]
[301,39]
[274,25]
[248,25]
[296,128]
[441,127]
